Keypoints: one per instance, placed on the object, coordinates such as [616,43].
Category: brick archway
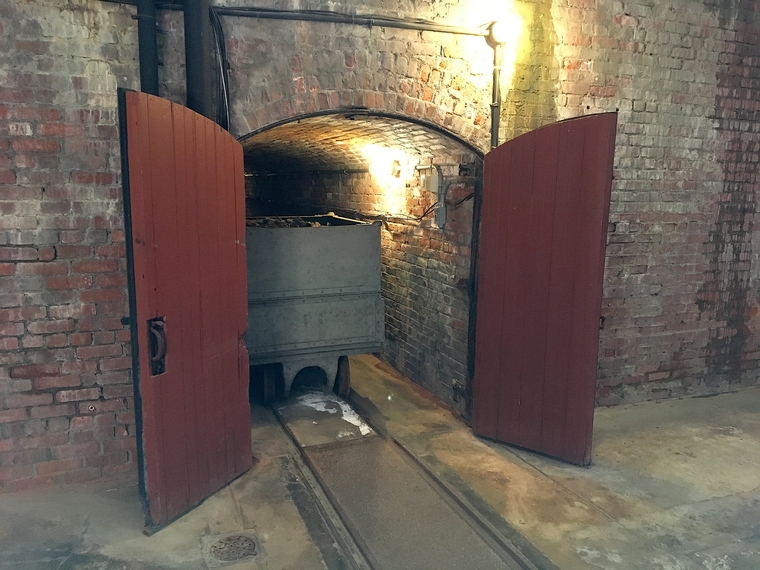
[248,121]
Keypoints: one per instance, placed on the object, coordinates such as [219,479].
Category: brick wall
[681,274]
[66,411]
[681,277]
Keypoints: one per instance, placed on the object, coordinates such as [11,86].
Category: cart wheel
[343,378]
[269,383]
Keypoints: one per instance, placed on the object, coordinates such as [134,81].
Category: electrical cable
[428,211]
[223,76]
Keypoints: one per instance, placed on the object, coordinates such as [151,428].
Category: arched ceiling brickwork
[343,142]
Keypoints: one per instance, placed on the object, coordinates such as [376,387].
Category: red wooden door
[185,218]
[546,201]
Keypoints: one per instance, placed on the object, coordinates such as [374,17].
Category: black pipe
[356,19]
[197,56]
[148,46]
[498,58]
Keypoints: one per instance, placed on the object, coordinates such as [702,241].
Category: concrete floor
[672,486]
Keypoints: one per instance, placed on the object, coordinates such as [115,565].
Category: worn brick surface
[61,225]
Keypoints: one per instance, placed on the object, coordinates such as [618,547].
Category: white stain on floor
[330,403]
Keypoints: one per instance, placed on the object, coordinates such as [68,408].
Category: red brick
[19,193]
[77,395]
[110,251]
[99,351]
[53,411]
[100,406]
[7,269]
[11,329]
[113,309]
[42,441]
[22,457]
[58,424]
[102,178]
[51,467]
[46,253]
[105,420]
[49,327]
[16,473]
[124,443]
[118,391]
[46,383]
[81,282]
[98,295]
[11,386]
[35,427]
[57,341]
[82,436]
[18,253]
[29,113]
[104,337]
[9,343]
[78,367]
[12,415]
[77,476]
[59,130]
[94,266]
[73,310]
[73,251]
[123,363]
[34,370]
[26,400]
[126,418]
[103,324]
[79,339]
[78,450]
[54,268]
[22,314]
[36,145]
[32,341]
[111,280]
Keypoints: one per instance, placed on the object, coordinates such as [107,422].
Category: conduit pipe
[197,56]
[498,58]
[147,46]
[368,20]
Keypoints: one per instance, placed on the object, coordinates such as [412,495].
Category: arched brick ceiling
[339,142]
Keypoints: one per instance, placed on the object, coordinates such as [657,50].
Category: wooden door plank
[594,210]
[243,436]
[188,296]
[210,318]
[537,264]
[171,420]
[197,187]
[144,244]
[492,269]
[560,327]
[228,259]
[515,286]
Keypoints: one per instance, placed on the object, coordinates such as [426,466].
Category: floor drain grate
[233,548]
[221,550]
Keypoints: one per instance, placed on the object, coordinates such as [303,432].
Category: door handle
[157,341]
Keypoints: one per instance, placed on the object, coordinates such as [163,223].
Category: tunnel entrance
[417,181]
